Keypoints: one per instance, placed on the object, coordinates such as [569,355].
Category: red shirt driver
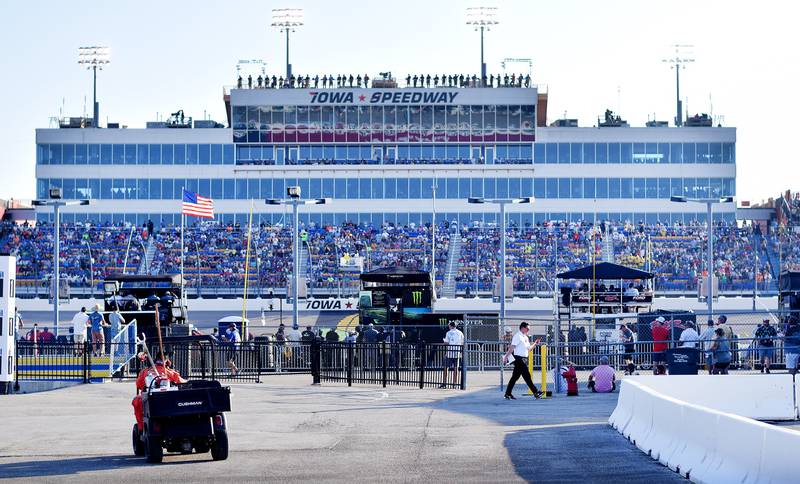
[158,371]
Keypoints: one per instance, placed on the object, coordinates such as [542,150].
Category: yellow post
[544,371]
[246,269]
[530,366]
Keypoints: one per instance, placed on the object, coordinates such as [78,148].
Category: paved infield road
[287,430]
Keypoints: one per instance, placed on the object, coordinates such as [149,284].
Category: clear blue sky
[169,55]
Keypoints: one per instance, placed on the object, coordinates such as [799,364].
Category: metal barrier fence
[421,365]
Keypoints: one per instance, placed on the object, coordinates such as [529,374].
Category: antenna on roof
[683,55]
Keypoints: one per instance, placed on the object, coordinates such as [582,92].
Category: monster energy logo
[443,322]
[416,297]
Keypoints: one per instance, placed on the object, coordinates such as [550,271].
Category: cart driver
[160,371]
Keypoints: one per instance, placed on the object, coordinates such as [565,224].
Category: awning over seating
[396,275]
[605,270]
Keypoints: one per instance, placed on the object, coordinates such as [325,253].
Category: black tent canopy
[396,275]
[605,270]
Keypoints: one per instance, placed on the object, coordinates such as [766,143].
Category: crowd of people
[88,253]
[215,254]
[329,81]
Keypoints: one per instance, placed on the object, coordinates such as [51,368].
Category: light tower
[682,56]
[287,20]
[482,18]
[94,58]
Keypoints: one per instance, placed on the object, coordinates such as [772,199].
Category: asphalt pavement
[285,429]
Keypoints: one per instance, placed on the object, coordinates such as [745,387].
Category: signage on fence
[682,361]
[337,304]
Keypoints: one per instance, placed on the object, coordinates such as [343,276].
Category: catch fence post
[315,361]
[383,363]
[463,361]
[422,365]
[350,364]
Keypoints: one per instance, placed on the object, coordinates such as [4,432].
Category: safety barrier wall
[704,444]
[757,396]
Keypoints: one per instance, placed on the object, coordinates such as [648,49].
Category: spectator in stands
[660,344]
[602,378]
[98,322]
[765,337]
[454,339]
[721,348]
[79,324]
[626,338]
[689,336]
[707,338]
[791,344]
[631,291]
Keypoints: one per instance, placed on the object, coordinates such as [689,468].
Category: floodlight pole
[91,266]
[288,65]
[502,202]
[295,202]
[483,64]
[710,249]
[96,110]
[57,204]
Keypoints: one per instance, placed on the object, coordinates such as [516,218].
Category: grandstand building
[379,152]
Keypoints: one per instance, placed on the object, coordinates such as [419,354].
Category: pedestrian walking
[519,349]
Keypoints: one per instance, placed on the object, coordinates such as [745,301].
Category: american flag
[194,204]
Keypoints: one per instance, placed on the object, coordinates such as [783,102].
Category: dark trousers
[520,369]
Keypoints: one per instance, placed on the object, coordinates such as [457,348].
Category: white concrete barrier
[760,397]
[708,445]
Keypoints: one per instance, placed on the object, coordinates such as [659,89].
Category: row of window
[389,188]
[303,135]
[216,154]
[392,117]
[388,154]
[402,218]
[134,154]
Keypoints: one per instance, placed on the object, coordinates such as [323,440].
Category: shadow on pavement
[567,439]
[76,465]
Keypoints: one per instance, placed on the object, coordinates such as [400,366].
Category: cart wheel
[138,445]
[152,450]
[219,449]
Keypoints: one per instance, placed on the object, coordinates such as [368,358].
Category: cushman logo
[383,97]
[189,404]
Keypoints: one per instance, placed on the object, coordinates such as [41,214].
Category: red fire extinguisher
[572,381]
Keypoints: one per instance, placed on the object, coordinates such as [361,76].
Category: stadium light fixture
[502,202]
[295,201]
[682,57]
[57,203]
[482,18]
[287,20]
[94,58]
[709,202]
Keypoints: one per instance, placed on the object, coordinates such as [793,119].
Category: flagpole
[183,227]
[247,263]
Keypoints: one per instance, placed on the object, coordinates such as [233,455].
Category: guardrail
[705,444]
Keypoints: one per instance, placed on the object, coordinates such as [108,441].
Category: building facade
[381,154]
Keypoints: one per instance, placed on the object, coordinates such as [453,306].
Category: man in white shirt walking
[520,347]
[455,340]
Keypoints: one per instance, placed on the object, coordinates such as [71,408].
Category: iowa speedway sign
[340,304]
